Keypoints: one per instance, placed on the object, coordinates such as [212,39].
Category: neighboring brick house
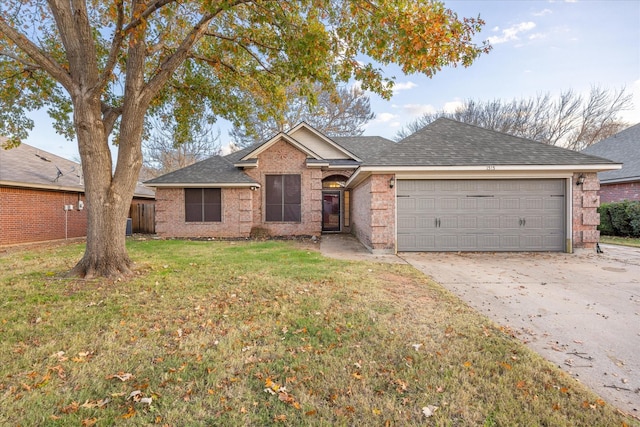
[42,197]
[623,147]
[449,187]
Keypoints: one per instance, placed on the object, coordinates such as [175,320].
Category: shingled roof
[365,147]
[448,142]
[623,147]
[29,167]
[215,169]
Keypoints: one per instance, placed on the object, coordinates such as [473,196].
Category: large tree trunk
[109,193]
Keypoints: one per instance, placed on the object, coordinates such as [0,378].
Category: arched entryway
[335,204]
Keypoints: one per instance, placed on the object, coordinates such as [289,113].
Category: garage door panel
[512,222]
[477,215]
[468,222]
[425,203]
[488,203]
[510,203]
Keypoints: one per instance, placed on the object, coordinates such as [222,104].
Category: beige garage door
[481,215]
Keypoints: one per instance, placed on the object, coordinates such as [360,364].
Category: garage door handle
[524,222]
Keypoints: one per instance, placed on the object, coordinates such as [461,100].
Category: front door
[330,211]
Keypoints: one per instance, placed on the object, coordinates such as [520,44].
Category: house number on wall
[491,168]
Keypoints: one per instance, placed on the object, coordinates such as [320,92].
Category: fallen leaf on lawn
[146,400]
[88,422]
[311,412]
[59,355]
[376,411]
[130,413]
[122,376]
[95,403]
[467,364]
[357,375]
[70,408]
[505,365]
[135,395]
[428,411]
[280,418]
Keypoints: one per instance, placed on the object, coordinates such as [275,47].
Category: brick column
[585,211]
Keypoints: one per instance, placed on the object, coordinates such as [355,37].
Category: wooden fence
[143,218]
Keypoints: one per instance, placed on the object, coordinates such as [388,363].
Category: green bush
[620,218]
[605,226]
[633,212]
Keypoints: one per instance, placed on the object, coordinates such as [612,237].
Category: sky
[539,47]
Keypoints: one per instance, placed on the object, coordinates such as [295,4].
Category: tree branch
[116,44]
[170,64]
[154,6]
[43,60]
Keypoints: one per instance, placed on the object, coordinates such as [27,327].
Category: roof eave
[78,189]
[206,185]
[33,186]
[364,171]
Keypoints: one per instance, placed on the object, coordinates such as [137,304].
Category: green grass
[262,333]
[624,241]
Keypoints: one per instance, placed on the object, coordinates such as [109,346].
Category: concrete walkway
[580,311]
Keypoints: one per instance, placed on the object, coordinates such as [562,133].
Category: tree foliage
[112,62]
[570,120]
[341,114]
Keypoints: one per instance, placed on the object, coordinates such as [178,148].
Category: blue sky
[538,47]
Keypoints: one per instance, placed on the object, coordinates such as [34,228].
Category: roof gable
[320,143]
[279,137]
[306,139]
[623,147]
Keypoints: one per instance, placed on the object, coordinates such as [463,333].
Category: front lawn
[259,333]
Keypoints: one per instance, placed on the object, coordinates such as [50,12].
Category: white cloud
[385,117]
[543,12]
[511,33]
[399,87]
[418,109]
[452,106]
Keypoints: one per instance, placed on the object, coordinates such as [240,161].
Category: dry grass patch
[230,333]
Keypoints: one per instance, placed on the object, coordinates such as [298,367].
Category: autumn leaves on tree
[100,67]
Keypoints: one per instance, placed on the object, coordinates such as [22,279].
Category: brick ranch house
[449,187]
[623,147]
[42,197]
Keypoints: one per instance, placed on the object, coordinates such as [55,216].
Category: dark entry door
[331,211]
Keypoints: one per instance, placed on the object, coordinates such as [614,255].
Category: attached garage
[481,215]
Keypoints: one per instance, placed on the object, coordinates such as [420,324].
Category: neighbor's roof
[447,142]
[215,169]
[29,167]
[623,147]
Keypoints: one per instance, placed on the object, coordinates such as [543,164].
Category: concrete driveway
[580,311]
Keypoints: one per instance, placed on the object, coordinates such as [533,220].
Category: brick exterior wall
[236,215]
[242,209]
[619,192]
[361,213]
[283,158]
[373,215]
[585,212]
[29,215]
